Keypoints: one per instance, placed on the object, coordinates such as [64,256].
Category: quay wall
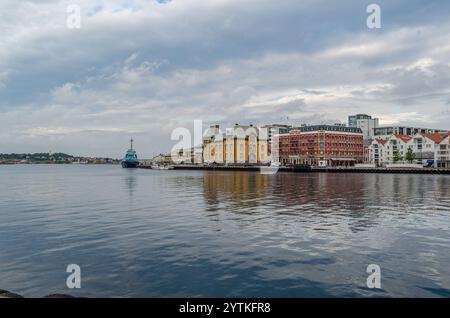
[313,170]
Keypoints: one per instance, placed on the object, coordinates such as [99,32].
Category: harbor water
[144,233]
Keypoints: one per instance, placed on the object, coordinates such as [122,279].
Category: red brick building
[322,145]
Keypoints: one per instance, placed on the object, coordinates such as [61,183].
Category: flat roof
[329,128]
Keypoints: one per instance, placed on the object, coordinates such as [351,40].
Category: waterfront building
[187,156]
[365,122]
[366,150]
[443,153]
[212,144]
[428,149]
[273,130]
[377,152]
[322,145]
[161,159]
[432,148]
[383,151]
[240,144]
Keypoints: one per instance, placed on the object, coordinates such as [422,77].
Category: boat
[158,167]
[302,168]
[271,169]
[130,160]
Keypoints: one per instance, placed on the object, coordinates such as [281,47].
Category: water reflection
[193,233]
[130,181]
[356,199]
[238,189]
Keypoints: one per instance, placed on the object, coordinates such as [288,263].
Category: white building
[428,149]
[274,130]
[432,148]
[382,151]
[443,153]
[365,122]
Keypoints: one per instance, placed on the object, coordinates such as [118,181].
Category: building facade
[443,153]
[383,151]
[322,145]
[273,130]
[237,145]
[428,149]
[366,123]
[432,149]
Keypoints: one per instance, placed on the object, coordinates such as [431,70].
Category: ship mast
[131,140]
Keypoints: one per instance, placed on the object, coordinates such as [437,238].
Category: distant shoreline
[52,158]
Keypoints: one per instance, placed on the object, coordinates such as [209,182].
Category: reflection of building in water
[240,144]
[405,191]
[235,188]
[322,189]
[326,198]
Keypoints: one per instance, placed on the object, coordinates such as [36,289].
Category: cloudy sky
[142,68]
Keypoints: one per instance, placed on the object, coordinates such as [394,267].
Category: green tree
[410,155]
[397,156]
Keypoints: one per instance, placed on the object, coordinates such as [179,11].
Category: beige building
[240,144]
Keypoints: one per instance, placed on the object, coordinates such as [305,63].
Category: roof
[381,141]
[437,137]
[404,138]
[332,128]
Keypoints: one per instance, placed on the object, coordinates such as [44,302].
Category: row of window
[321,153]
[294,145]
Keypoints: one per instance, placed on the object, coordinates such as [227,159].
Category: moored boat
[130,160]
[302,168]
[271,169]
[158,167]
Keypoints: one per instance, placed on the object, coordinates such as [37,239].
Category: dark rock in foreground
[7,294]
[58,296]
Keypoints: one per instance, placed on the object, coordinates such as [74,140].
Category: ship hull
[302,168]
[129,164]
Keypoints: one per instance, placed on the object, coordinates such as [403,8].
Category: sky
[141,68]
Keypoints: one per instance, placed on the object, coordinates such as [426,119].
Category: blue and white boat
[130,160]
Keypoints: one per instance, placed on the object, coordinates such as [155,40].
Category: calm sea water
[143,233]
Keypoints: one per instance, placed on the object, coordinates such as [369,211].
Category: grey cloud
[146,68]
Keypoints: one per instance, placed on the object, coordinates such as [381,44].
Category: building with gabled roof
[428,149]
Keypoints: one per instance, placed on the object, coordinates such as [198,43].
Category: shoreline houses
[427,149]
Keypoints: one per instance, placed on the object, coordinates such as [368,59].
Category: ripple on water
[194,233]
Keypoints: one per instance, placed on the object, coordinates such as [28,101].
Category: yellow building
[240,144]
